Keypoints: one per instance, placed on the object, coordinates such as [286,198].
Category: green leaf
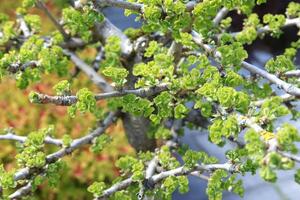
[6,179]
[180,111]
[268,174]
[225,96]
[223,128]
[118,75]
[183,184]
[100,142]
[273,108]
[53,173]
[215,185]
[275,22]
[67,140]
[293,9]
[28,3]
[80,22]
[254,146]
[33,22]
[297,176]
[280,64]
[153,48]
[62,88]
[232,55]
[97,188]
[287,135]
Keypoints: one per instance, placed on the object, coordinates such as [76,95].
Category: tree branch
[15,67]
[287,87]
[290,156]
[106,29]
[116,187]
[266,29]
[220,15]
[121,4]
[285,98]
[23,191]
[69,100]
[174,172]
[136,6]
[59,27]
[23,26]
[51,158]
[92,74]
[293,73]
[272,143]
[22,139]
[98,58]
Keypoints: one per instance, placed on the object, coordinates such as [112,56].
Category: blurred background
[16,112]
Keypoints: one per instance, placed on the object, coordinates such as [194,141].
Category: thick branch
[106,29]
[220,15]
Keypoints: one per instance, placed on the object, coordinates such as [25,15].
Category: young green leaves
[223,129]
[79,23]
[275,22]
[219,181]
[86,103]
[32,154]
[34,58]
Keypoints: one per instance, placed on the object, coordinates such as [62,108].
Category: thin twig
[293,73]
[15,67]
[94,76]
[284,97]
[290,156]
[23,191]
[59,27]
[22,139]
[266,29]
[69,100]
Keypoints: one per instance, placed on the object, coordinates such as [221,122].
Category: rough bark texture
[136,129]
